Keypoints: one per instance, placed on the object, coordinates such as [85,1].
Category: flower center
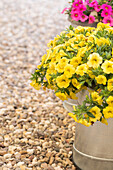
[108,21]
[106,13]
[76,15]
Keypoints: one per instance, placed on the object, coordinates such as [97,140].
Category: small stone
[23,152]
[17,155]
[1,139]
[51,160]
[7,156]
[20,163]
[44,165]
[2,153]
[30,151]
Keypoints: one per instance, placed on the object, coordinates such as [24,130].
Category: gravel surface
[35,130]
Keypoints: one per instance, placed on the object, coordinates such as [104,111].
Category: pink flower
[76,3]
[97,8]
[75,16]
[83,17]
[105,13]
[87,1]
[91,19]
[82,7]
[107,20]
[93,3]
[64,10]
[106,7]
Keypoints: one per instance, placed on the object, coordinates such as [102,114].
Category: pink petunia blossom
[83,17]
[93,3]
[82,7]
[105,13]
[107,20]
[106,7]
[64,10]
[91,19]
[98,8]
[87,1]
[75,16]
[76,3]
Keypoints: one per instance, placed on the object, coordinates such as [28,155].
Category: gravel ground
[35,130]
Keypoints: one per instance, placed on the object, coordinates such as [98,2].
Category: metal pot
[86,24]
[93,146]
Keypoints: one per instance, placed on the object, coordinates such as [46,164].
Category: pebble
[7,156]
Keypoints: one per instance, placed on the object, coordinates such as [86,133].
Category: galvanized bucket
[77,23]
[93,146]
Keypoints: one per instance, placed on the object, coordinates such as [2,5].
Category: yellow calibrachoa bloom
[75,61]
[63,61]
[62,96]
[110,100]
[60,68]
[101,79]
[82,69]
[69,70]
[36,85]
[62,81]
[76,83]
[94,60]
[107,67]
[96,97]
[78,59]
[108,112]
[110,84]
[104,121]
[102,41]
[96,112]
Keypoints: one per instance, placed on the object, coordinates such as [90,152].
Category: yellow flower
[94,60]
[111,59]
[81,69]
[82,121]
[110,30]
[108,112]
[62,96]
[64,61]
[76,83]
[48,77]
[69,70]
[43,59]
[96,97]
[96,112]
[62,81]
[107,67]
[101,79]
[73,95]
[75,61]
[110,100]
[81,52]
[110,85]
[37,86]
[101,26]
[88,34]
[60,68]
[104,121]
[62,53]
[101,41]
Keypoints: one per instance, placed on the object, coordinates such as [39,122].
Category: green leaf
[90,114]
